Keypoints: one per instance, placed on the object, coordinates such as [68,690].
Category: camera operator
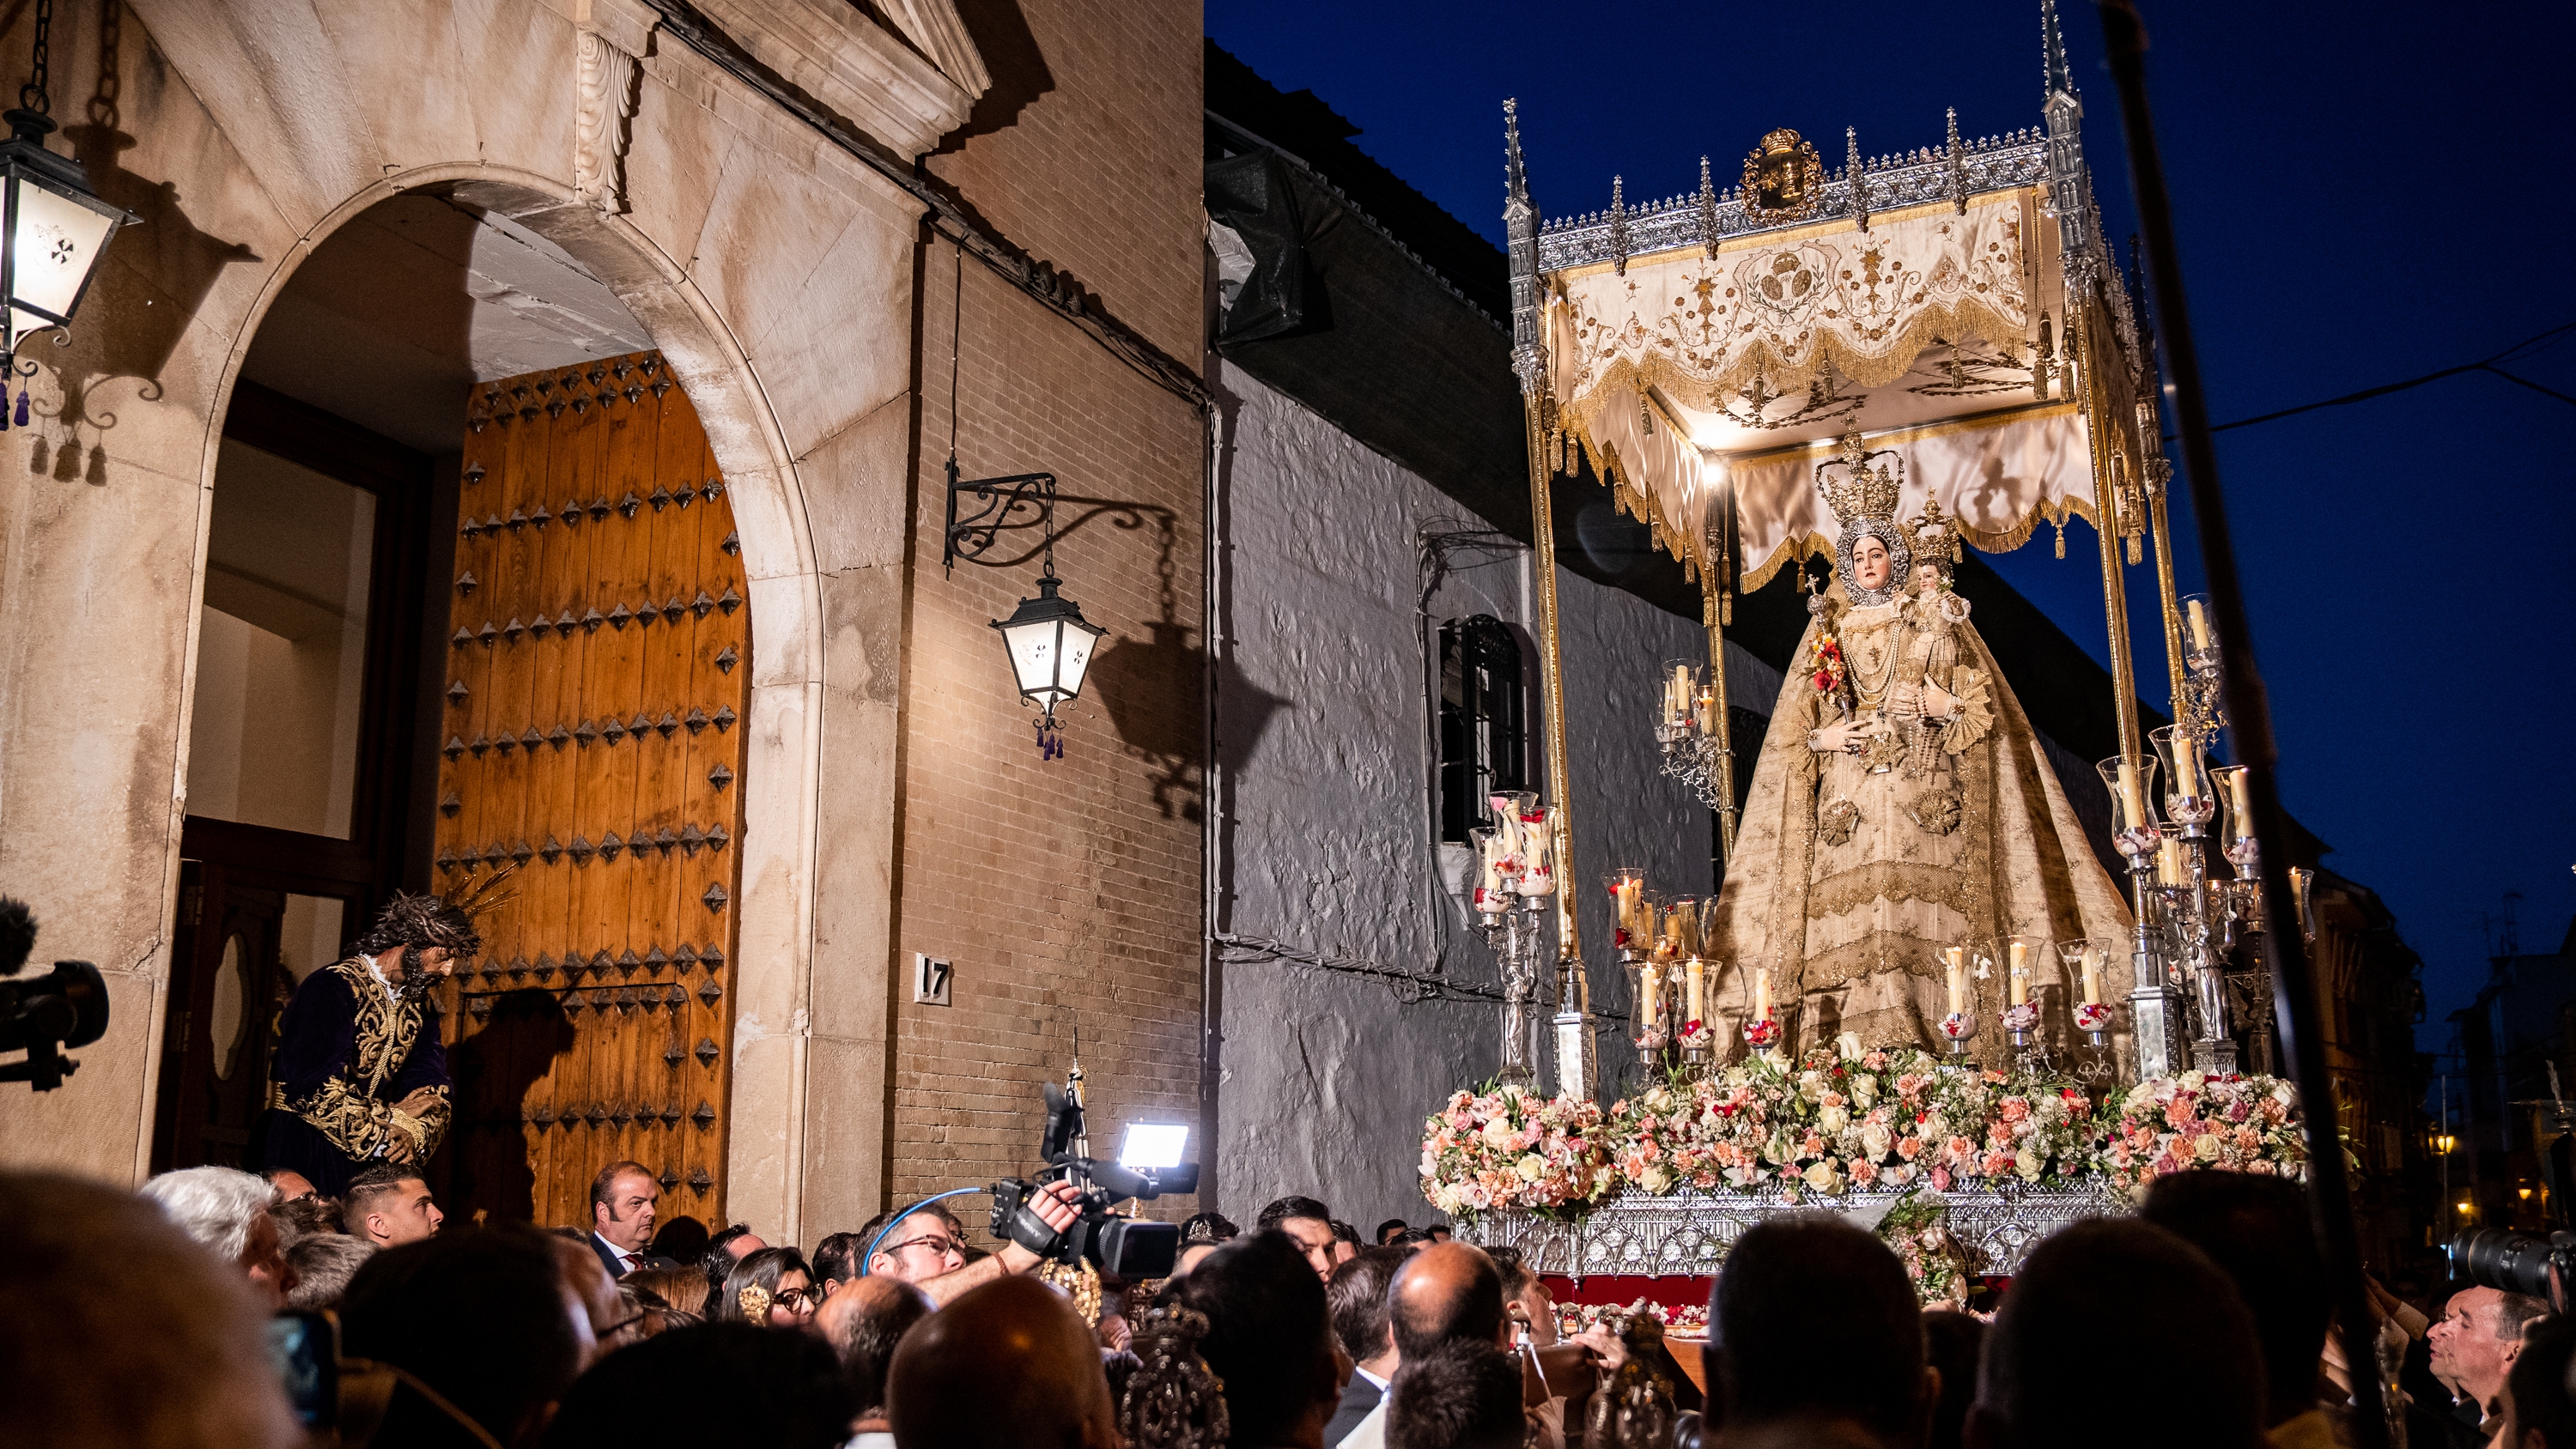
[927,1248]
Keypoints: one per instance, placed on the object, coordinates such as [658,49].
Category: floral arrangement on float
[1505,1148]
[1842,1118]
[2193,1120]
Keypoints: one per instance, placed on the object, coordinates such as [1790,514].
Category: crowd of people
[137,1319]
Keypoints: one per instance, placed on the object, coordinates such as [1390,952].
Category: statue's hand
[1842,737]
[1905,702]
[1936,702]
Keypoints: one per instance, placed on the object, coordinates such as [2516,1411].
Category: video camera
[2512,1262]
[65,1007]
[1149,1165]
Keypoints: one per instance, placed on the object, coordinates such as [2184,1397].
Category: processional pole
[2249,713]
[1575,1051]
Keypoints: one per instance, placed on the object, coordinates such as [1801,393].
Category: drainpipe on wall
[1213,418]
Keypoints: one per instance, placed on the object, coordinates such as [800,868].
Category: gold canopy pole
[2157,498]
[1551,668]
[1712,583]
[2115,595]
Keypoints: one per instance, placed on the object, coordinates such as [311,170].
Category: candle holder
[1510,918]
[1959,1026]
[2190,798]
[1653,999]
[2197,709]
[2082,959]
[1762,1034]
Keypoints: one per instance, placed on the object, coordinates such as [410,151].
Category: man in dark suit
[1356,1297]
[622,1202]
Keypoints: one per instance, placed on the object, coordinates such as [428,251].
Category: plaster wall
[1328,827]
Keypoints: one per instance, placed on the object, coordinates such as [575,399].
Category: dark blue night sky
[2365,194]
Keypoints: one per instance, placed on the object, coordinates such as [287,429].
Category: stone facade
[784,277]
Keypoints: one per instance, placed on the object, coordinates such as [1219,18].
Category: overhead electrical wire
[2489,365]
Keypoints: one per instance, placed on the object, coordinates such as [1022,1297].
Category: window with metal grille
[1484,721]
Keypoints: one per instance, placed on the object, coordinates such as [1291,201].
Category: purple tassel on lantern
[22,407]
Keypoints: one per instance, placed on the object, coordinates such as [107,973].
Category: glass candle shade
[2132,783]
[2235,814]
[1681,693]
[2022,955]
[1685,924]
[2188,795]
[2199,633]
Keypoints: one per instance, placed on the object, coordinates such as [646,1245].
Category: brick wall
[1066,892]
[1086,151]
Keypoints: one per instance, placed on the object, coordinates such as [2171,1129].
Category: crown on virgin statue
[1860,491]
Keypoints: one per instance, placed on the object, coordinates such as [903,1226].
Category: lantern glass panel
[1034,647]
[56,243]
[1078,643]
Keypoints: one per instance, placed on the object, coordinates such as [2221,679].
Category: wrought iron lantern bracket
[998,506]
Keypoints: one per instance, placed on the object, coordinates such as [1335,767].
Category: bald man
[864,1323]
[1445,1293]
[1009,1362]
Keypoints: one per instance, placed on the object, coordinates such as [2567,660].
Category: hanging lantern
[1050,645]
[53,227]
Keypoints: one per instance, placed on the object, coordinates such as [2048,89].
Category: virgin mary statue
[1901,805]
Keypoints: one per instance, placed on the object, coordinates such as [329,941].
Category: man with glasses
[927,1246]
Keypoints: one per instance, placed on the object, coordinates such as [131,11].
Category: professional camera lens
[2507,1261]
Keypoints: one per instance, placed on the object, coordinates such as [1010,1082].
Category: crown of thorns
[424,921]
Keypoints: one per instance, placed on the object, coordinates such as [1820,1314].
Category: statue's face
[1870,562]
[1926,578]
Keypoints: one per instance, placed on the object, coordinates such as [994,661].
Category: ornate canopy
[1706,352]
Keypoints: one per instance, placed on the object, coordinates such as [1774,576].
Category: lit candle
[1651,982]
[2243,799]
[1695,988]
[2129,797]
[1958,959]
[2092,973]
[2186,752]
[2169,867]
[2018,980]
[1761,993]
[1707,713]
[2199,613]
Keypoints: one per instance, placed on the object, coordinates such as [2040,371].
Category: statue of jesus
[1901,804]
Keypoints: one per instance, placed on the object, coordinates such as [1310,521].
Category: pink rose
[1940,1179]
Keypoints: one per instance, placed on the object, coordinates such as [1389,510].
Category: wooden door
[592,734]
[227,986]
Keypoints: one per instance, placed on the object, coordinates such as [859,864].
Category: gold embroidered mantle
[1964,840]
[350,1107]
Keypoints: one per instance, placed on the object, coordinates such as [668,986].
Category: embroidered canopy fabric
[1924,329]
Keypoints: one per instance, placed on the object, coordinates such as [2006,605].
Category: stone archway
[776,276]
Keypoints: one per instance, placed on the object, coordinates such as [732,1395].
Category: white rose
[1821,1176]
[1659,1101]
[1876,1140]
[2206,1148]
[1864,1089]
[1833,1119]
[1848,1045]
[1657,1179]
[2028,1164]
[1532,1168]
[1501,1133]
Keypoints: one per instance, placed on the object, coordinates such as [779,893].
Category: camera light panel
[1152,1144]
